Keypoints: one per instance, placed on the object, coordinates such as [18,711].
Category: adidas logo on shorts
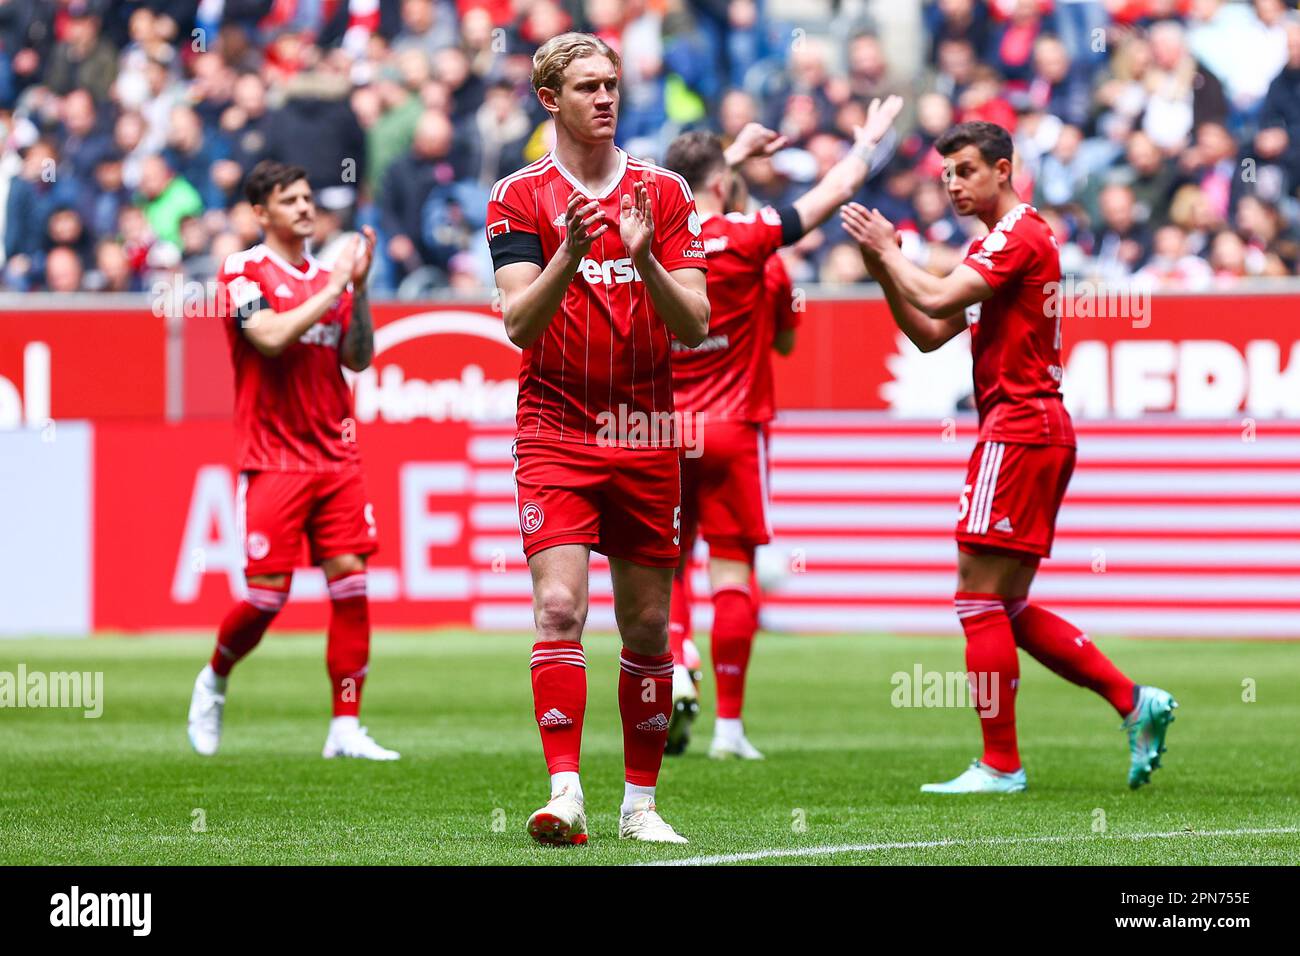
[1003,525]
[555,718]
[657,722]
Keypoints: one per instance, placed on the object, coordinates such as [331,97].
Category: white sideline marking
[931,844]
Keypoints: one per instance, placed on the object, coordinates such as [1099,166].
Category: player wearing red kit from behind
[600,264]
[776,311]
[724,385]
[291,323]
[779,314]
[1024,456]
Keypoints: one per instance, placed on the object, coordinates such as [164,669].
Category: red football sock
[559,671]
[994,667]
[645,695]
[243,627]
[1061,647]
[347,649]
[679,616]
[733,638]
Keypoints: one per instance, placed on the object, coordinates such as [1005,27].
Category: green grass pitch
[843,764]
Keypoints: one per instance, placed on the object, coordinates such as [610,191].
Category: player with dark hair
[600,266]
[725,385]
[292,322]
[1023,459]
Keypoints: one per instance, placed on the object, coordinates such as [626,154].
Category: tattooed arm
[358,346]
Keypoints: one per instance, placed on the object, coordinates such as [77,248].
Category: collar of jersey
[1015,211]
[312,265]
[609,186]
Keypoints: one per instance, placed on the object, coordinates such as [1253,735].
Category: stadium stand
[1160,137]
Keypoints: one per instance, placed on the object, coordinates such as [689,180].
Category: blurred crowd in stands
[1161,138]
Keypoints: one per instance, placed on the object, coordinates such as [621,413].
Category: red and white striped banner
[1169,528]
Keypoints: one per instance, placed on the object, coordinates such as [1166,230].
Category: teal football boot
[1146,727]
[980,778]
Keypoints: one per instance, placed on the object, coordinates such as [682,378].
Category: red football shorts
[1011,497]
[623,502]
[724,490]
[276,509]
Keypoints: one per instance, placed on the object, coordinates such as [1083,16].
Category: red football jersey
[602,362]
[1015,339]
[778,292]
[290,410]
[728,376]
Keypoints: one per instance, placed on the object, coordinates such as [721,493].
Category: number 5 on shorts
[677,525]
[963,506]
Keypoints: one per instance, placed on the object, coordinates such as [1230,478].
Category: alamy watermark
[634,428]
[923,688]
[76,907]
[77,690]
[178,296]
[1074,298]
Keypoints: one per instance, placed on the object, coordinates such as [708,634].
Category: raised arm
[272,332]
[843,180]
[936,296]
[358,346]
[680,297]
[926,330]
[754,139]
[531,295]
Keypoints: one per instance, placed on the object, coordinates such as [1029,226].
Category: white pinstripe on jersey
[654,170]
[533,169]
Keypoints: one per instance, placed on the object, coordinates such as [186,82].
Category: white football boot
[980,778]
[352,740]
[730,742]
[206,706]
[562,822]
[644,823]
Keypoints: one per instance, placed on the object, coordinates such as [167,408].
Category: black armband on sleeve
[249,309]
[791,225]
[511,247]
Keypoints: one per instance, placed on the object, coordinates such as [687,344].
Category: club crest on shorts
[531,517]
[258,546]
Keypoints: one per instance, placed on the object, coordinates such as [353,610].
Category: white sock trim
[349,586]
[345,725]
[212,680]
[566,778]
[267,600]
[728,728]
[632,793]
